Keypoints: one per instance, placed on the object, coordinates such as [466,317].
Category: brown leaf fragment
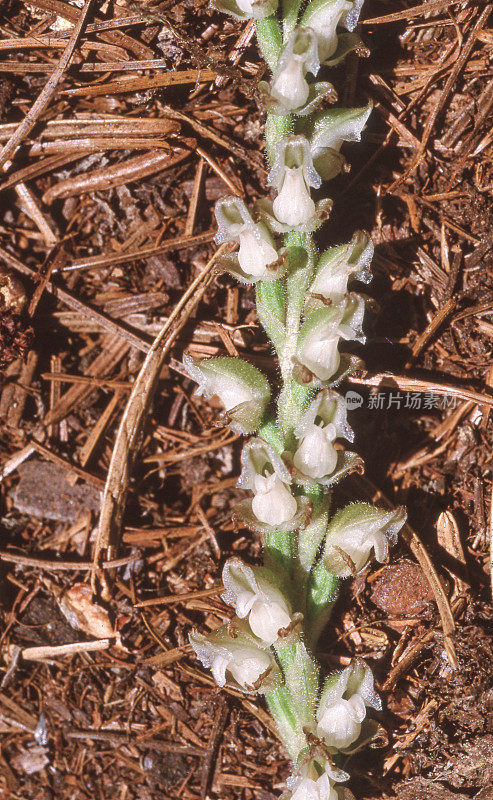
[448,537]
[84,614]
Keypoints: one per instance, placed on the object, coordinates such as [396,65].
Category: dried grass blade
[131,425]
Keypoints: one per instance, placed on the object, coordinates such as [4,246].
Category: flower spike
[308,307]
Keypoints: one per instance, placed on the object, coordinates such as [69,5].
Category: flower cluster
[312,310]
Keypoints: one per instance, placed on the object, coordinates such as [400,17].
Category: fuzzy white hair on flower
[236,660]
[338,265]
[343,703]
[356,532]
[256,596]
[257,257]
[323,422]
[246,9]
[292,175]
[242,389]
[264,473]
[324,16]
[328,131]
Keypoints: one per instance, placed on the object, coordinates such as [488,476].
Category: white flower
[327,133]
[256,253]
[340,722]
[322,423]
[343,703]
[320,334]
[273,503]
[289,86]
[338,265]
[356,531]
[257,257]
[255,595]
[313,782]
[264,473]
[316,455]
[293,175]
[241,388]
[318,342]
[323,16]
[235,660]
[294,205]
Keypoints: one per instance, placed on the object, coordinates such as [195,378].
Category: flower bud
[242,388]
[356,531]
[257,258]
[255,595]
[323,16]
[236,660]
[246,9]
[292,175]
[343,703]
[338,265]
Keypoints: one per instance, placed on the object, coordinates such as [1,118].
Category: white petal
[273,503]
[321,356]
[293,205]
[218,669]
[324,23]
[255,253]
[290,86]
[316,455]
[339,725]
[247,666]
[305,790]
[245,6]
[267,619]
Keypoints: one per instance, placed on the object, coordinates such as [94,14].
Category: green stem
[294,398]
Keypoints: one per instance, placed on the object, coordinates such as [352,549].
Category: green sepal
[321,595]
[276,128]
[281,707]
[271,434]
[271,311]
[279,551]
[269,39]
[290,11]
[301,675]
